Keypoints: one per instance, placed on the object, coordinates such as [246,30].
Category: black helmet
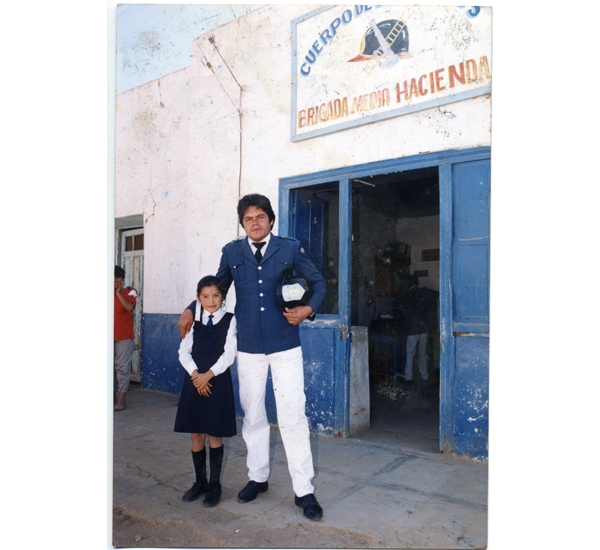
[293,291]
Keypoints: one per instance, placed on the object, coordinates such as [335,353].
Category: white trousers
[287,373]
[411,348]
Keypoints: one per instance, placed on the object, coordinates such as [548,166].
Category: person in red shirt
[125,301]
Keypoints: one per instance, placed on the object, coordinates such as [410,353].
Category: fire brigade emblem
[384,44]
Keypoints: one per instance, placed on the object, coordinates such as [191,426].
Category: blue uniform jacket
[261,326]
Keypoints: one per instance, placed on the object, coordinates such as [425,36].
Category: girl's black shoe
[197,489]
[213,495]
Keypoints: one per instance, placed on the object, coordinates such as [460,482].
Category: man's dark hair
[258,201]
[211,280]
[119,272]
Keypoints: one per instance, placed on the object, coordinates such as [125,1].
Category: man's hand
[185,323]
[129,306]
[296,315]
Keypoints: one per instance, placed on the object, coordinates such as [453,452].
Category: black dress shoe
[251,490]
[213,495]
[197,489]
[310,506]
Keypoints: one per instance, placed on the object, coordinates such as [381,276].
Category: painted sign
[354,65]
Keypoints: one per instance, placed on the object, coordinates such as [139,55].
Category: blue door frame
[339,407]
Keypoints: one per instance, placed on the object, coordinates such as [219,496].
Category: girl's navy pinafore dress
[213,415]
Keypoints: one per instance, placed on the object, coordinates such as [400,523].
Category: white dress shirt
[263,250]
[228,355]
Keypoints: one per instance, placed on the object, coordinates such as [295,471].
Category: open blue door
[309,226]
[323,228]
[465,332]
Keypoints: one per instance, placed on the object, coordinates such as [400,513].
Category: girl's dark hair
[211,280]
[119,272]
[258,201]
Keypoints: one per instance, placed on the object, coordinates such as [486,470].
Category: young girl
[206,405]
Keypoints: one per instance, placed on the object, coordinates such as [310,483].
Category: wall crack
[207,63]
[212,41]
[153,207]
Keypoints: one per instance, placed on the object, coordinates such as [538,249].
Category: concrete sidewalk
[376,491]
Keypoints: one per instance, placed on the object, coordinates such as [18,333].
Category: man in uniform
[269,337]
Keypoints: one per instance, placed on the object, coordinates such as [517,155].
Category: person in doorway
[269,337]
[416,305]
[206,406]
[125,302]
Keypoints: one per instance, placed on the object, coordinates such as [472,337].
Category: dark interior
[395,232]
[386,208]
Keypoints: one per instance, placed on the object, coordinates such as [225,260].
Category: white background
[57,232]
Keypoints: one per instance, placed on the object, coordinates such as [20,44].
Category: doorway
[132,261]
[394,237]
[395,294]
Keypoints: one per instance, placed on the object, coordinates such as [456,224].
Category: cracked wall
[190,143]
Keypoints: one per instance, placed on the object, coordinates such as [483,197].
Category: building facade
[369,128]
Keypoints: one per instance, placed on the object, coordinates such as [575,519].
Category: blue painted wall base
[161,370]
[160,367]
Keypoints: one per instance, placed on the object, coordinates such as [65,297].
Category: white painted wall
[178,158]
[154,40]
[422,234]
